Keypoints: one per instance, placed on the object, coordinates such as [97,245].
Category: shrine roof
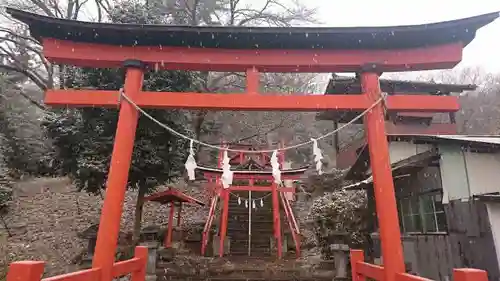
[341,85]
[172,195]
[388,37]
[350,85]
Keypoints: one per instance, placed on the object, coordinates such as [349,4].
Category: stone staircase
[261,225]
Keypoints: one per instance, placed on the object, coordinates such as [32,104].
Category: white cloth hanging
[191,162]
[276,167]
[227,174]
[318,156]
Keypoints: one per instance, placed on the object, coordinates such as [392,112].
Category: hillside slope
[47,214]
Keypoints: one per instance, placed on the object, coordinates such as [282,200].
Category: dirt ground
[47,214]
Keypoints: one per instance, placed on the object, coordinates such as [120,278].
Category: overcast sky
[484,50]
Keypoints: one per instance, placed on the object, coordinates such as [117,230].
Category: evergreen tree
[84,137]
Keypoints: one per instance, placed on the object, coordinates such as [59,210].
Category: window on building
[422,213]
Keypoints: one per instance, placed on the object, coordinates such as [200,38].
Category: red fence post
[467,274]
[25,271]
[141,253]
[357,256]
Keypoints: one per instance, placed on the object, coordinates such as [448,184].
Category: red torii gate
[261,160]
[368,51]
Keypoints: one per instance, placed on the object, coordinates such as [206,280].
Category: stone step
[255,242]
[240,237]
[245,213]
[265,208]
[238,234]
[253,253]
[244,248]
[254,222]
[255,239]
[244,226]
[254,232]
[260,219]
[258,243]
[263,247]
[254,219]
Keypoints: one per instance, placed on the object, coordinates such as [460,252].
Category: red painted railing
[362,270]
[292,223]
[208,224]
[33,270]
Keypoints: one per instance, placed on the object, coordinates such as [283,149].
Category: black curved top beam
[351,38]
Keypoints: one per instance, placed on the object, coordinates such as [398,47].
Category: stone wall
[208,268]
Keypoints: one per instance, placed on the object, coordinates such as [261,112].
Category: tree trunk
[138,215]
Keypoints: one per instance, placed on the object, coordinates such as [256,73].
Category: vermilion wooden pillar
[277,221]
[111,213]
[170,227]
[224,217]
[383,184]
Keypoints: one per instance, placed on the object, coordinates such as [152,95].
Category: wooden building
[448,201]
[396,122]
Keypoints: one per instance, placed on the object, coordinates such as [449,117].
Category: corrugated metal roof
[481,139]
[486,139]
[470,141]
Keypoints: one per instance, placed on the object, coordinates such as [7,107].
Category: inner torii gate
[368,51]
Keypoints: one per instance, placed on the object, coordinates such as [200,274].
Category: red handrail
[409,277]
[89,274]
[292,223]
[33,270]
[136,266]
[208,224]
[361,270]
[370,270]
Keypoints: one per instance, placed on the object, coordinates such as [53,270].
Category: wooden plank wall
[471,236]
[434,256]
[468,243]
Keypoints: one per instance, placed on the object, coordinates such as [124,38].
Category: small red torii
[261,172]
